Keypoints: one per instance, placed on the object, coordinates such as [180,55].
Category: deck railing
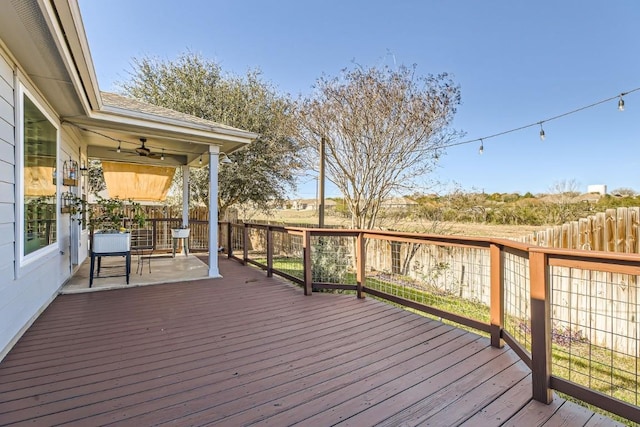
[572,316]
[160,229]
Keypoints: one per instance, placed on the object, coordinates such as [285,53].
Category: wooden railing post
[361,262]
[269,251]
[154,233]
[229,240]
[497,295]
[245,244]
[308,277]
[540,327]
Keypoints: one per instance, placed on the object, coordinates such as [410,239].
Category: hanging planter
[69,173]
[66,202]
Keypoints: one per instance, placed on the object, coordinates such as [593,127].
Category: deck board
[252,350]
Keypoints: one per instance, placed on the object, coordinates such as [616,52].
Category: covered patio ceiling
[151,135]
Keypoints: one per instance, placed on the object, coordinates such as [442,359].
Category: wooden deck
[252,350]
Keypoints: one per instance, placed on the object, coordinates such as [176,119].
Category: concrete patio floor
[164,269]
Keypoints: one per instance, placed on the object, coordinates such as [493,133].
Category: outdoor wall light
[224,159]
[84,170]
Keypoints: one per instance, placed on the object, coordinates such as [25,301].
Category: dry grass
[310,217]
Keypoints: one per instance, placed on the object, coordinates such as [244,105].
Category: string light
[481,149]
[122,141]
[162,155]
[200,161]
[469,141]
[621,103]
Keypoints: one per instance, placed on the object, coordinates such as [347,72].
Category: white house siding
[7,174]
[24,291]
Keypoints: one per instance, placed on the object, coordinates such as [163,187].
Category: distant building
[597,188]
[398,203]
[310,204]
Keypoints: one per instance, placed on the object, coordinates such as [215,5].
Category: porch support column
[185,195]
[214,271]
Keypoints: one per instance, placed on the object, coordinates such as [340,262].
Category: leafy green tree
[384,130]
[262,173]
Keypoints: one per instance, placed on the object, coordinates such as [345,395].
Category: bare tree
[562,194]
[384,130]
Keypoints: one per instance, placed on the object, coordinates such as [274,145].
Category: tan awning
[137,182]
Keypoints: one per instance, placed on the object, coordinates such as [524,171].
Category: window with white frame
[39,177]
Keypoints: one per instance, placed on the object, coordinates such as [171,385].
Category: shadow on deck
[248,349]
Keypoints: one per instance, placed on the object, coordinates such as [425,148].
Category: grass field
[310,217]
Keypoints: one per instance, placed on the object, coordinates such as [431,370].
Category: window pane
[40,160]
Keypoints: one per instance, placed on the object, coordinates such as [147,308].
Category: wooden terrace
[249,349]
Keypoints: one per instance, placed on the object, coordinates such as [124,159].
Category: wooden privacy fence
[614,230]
[559,309]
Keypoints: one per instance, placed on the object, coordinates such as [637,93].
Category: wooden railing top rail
[458,240]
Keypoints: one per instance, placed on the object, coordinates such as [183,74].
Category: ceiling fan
[144,151]
[134,154]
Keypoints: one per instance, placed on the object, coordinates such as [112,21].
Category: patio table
[99,255]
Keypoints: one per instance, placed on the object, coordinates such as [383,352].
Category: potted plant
[106,222]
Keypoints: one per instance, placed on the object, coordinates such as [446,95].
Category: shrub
[329,261]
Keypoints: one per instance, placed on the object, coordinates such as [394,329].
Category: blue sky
[517,63]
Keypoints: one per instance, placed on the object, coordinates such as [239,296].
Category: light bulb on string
[481,149]
[542,135]
[162,155]
[200,161]
[118,149]
[621,103]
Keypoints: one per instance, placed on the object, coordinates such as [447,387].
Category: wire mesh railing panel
[199,236]
[594,320]
[333,260]
[517,309]
[449,278]
[288,253]
[162,229]
[257,245]
[237,239]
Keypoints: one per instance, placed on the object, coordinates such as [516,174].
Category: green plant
[328,261]
[107,214]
